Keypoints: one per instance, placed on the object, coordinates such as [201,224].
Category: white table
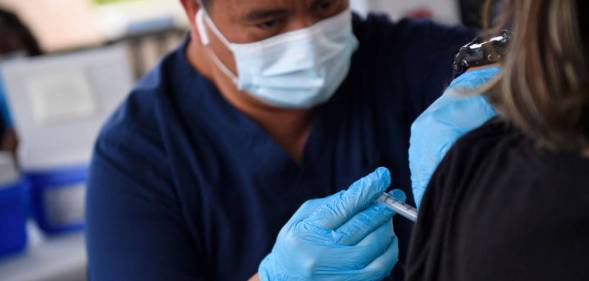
[62,258]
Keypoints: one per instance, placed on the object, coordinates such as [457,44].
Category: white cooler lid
[59,103]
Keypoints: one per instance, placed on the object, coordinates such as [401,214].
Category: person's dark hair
[544,88]
[16,35]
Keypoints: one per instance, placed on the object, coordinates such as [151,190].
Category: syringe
[399,206]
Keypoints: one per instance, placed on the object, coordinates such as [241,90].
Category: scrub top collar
[250,131]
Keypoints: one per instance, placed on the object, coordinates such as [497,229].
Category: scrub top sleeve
[135,230]
[429,52]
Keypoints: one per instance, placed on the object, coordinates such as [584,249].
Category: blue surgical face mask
[298,69]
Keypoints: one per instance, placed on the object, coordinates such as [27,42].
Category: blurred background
[64,66]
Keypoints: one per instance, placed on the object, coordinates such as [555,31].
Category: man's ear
[191,7]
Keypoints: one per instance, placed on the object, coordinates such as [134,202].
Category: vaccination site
[294,140]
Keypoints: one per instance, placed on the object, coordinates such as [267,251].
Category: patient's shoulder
[496,134]
[487,148]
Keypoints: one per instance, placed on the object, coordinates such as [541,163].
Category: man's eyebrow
[264,14]
[317,2]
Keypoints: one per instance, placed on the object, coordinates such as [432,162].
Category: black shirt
[498,208]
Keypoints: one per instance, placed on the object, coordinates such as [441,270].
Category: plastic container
[58,104]
[13,215]
[57,199]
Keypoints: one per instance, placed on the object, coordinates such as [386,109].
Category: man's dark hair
[14,30]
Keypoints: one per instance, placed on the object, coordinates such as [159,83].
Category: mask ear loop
[202,31]
[201,17]
[205,41]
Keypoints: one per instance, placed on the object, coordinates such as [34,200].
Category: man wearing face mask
[266,105]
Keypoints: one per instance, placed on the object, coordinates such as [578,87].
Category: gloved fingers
[362,224]
[472,80]
[382,266]
[463,113]
[418,192]
[369,248]
[436,131]
[339,209]
[423,174]
[380,238]
[309,207]
[357,257]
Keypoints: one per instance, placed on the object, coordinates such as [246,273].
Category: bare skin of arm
[255,278]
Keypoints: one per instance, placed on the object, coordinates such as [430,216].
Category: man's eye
[325,5]
[269,24]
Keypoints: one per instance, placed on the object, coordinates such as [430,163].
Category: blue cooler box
[57,198]
[13,234]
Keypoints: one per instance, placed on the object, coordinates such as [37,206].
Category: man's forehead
[240,7]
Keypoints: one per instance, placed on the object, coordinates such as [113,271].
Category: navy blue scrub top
[185,187]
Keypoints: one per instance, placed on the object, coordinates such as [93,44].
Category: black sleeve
[135,230]
[432,240]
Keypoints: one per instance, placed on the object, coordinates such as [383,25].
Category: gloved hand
[444,122]
[342,237]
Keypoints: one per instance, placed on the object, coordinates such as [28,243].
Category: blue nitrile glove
[450,117]
[342,237]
